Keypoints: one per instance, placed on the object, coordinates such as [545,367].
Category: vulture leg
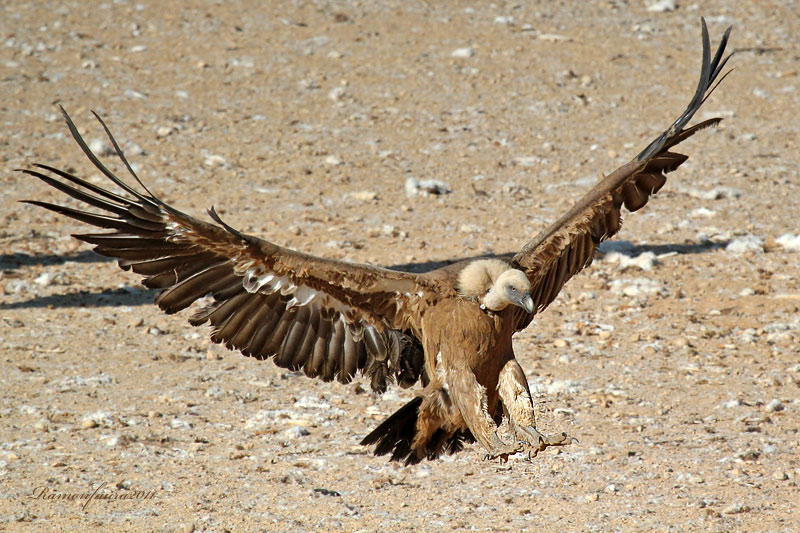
[470,398]
[516,396]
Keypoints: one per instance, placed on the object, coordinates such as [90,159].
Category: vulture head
[495,285]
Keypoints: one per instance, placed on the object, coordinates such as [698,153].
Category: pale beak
[526,302]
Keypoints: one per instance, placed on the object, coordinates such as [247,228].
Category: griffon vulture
[450,329]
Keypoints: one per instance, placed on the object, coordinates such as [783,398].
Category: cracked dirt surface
[302,122]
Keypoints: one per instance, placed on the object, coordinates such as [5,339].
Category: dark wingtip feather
[216,218]
[709,71]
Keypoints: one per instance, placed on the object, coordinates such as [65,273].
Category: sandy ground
[302,122]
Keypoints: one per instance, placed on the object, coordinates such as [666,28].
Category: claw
[504,453]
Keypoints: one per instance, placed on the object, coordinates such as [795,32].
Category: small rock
[463,53]
[744,244]
[560,343]
[214,161]
[295,432]
[177,423]
[337,93]
[593,497]
[416,187]
[98,418]
[702,212]
[663,6]
[163,131]
[735,508]
[780,475]
[364,196]
[774,406]
[553,37]
[470,228]
[44,279]
[333,161]
[789,241]
[100,147]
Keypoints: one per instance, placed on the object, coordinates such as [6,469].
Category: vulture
[449,329]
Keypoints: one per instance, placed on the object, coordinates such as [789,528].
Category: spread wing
[569,244]
[329,318]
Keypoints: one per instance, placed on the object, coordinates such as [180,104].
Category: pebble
[214,161]
[88,423]
[428,187]
[177,423]
[560,343]
[553,37]
[592,497]
[638,287]
[735,508]
[644,261]
[717,193]
[100,147]
[789,241]
[663,6]
[774,406]
[702,212]
[333,161]
[44,279]
[17,286]
[98,418]
[337,93]
[744,244]
[470,228]
[364,196]
[295,432]
[463,53]
[163,131]
[780,475]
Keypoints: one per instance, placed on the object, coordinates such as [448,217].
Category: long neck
[494,301]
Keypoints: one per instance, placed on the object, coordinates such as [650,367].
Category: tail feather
[395,436]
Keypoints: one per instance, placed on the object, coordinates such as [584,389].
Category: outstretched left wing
[568,245]
[329,318]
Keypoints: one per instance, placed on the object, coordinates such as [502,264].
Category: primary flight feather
[449,329]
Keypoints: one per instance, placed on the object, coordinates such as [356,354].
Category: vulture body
[450,329]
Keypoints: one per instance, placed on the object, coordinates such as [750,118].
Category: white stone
[463,53]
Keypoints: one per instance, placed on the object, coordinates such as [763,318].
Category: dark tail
[396,433]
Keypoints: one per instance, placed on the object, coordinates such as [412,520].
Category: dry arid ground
[302,122]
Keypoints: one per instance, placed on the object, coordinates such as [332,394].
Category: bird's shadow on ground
[130,296]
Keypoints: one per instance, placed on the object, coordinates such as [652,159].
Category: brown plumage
[450,329]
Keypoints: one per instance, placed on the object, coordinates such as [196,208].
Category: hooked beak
[526,302]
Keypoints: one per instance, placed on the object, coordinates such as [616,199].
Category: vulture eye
[513,289]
